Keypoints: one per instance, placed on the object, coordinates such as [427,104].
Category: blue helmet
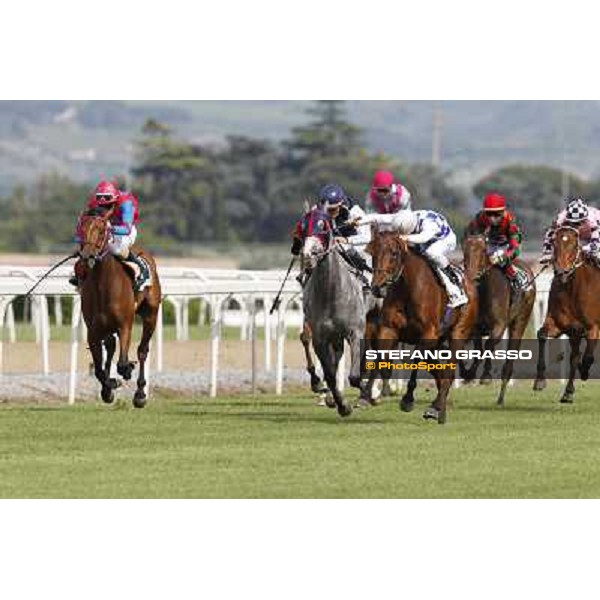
[331,195]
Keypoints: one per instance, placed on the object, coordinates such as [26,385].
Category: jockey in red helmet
[503,237]
[123,220]
[387,196]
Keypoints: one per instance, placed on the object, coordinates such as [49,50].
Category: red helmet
[107,193]
[494,203]
[383,179]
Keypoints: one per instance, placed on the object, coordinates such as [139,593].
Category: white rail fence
[231,296]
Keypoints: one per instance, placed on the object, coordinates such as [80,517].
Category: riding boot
[144,273]
[74,281]
[455,299]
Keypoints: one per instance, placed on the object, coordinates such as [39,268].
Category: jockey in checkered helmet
[583,217]
[577,211]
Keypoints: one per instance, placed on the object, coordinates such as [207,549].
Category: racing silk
[399,200]
[431,227]
[507,233]
[124,217]
[589,230]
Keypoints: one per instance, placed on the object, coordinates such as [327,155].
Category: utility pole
[436,136]
[565,184]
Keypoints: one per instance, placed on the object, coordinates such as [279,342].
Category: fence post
[75,321]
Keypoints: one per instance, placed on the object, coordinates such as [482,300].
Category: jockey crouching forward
[431,235]
[343,214]
[123,207]
[503,237]
[586,220]
[386,195]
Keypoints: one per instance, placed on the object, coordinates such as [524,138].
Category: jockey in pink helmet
[123,220]
[387,196]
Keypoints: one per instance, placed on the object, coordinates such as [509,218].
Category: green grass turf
[288,447]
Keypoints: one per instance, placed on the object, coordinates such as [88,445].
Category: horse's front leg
[329,354]
[124,366]
[547,330]
[575,343]
[148,326]
[316,385]
[495,336]
[95,345]
[591,338]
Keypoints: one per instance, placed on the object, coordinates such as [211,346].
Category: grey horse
[335,309]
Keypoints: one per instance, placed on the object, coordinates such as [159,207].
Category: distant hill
[88,139]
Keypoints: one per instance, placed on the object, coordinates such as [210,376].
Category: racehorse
[334,305]
[499,308]
[573,308]
[109,305]
[415,311]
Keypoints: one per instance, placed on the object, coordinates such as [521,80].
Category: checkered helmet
[577,211]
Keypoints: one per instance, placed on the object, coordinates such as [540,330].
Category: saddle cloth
[135,271]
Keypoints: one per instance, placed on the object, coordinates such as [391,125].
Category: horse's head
[316,235]
[388,250]
[567,254]
[476,259]
[94,231]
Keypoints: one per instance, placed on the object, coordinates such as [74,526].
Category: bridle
[100,244]
[397,274]
[487,264]
[578,260]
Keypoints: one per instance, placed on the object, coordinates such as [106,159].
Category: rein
[577,261]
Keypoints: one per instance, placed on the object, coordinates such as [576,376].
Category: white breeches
[438,251]
[119,245]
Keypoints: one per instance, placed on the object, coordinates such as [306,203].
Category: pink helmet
[107,193]
[383,179]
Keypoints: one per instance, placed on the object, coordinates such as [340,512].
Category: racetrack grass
[269,447]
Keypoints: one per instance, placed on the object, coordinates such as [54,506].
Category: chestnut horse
[573,308]
[415,311]
[500,308]
[109,305]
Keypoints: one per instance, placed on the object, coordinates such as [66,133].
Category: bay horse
[109,305]
[500,307]
[573,308]
[334,306]
[415,311]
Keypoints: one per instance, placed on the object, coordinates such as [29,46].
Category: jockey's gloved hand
[545,258]
[296,246]
[497,257]
[592,248]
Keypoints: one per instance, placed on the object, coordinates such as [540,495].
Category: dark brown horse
[415,311]
[500,307]
[573,308]
[109,305]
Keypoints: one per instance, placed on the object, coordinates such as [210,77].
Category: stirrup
[74,281]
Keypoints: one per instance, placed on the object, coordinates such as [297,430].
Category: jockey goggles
[383,191]
[105,197]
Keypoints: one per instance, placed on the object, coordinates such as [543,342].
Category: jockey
[386,196]
[432,236]
[503,237]
[584,218]
[343,214]
[123,220]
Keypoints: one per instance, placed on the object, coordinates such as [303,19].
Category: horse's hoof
[362,403]
[566,399]
[432,413]
[442,417]
[139,399]
[344,410]
[485,380]
[329,401]
[500,403]
[407,404]
[539,385]
[386,391]
[126,370]
[107,395]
